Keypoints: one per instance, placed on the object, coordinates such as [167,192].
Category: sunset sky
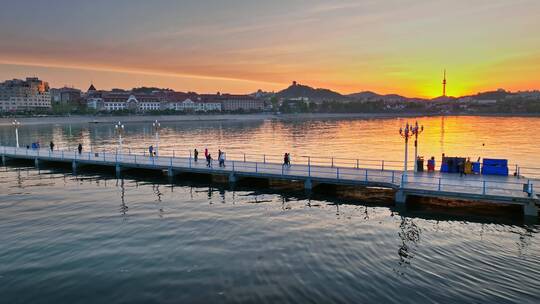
[237,46]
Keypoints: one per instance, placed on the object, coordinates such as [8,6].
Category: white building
[24,95]
[122,101]
[95,103]
[189,105]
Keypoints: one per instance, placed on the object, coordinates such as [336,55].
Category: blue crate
[495,162]
[494,170]
[476,167]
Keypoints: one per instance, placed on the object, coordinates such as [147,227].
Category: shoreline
[82,119]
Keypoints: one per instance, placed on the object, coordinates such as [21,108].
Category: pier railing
[439,182]
[478,185]
[240,166]
[327,161]
[330,161]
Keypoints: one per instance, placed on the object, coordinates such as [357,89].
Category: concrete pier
[491,189]
[530,209]
[308,184]
[401,197]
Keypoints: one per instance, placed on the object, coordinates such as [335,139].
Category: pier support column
[170,173]
[401,198]
[530,210]
[3,160]
[118,170]
[74,166]
[232,178]
[36,162]
[308,184]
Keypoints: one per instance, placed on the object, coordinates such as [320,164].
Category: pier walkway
[494,189]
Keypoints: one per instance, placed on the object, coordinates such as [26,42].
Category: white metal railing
[231,165]
[366,163]
[273,158]
[473,186]
[438,182]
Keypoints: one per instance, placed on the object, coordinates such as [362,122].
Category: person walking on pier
[461,167]
[221,159]
[79,148]
[209,160]
[195,155]
[468,166]
[287,160]
[205,152]
[51,145]
[151,150]
[219,156]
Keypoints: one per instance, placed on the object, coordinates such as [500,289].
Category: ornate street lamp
[16,124]
[405,133]
[156,126]
[119,129]
[416,130]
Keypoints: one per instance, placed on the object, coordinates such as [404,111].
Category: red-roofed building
[128,101]
[234,102]
[189,102]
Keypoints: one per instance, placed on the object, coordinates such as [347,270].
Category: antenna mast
[444,84]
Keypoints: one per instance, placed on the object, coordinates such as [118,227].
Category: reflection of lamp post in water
[405,133]
[410,237]
[16,124]
[416,130]
[156,126]
[119,129]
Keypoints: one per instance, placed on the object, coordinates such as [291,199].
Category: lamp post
[405,133]
[16,124]
[156,126]
[416,130]
[119,129]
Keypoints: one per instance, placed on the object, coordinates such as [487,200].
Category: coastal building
[128,101]
[118,100]
[188,102]
[234,102]
[198,105]
[24,95]
[65,95]
[91,89]
[95,103]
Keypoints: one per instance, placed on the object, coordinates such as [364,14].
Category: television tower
[444,84]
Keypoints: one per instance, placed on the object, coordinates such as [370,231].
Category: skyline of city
[243,46]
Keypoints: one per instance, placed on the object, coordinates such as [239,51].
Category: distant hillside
[372,96]
[364,95]
[149,90]
[297,90]
[494,95]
